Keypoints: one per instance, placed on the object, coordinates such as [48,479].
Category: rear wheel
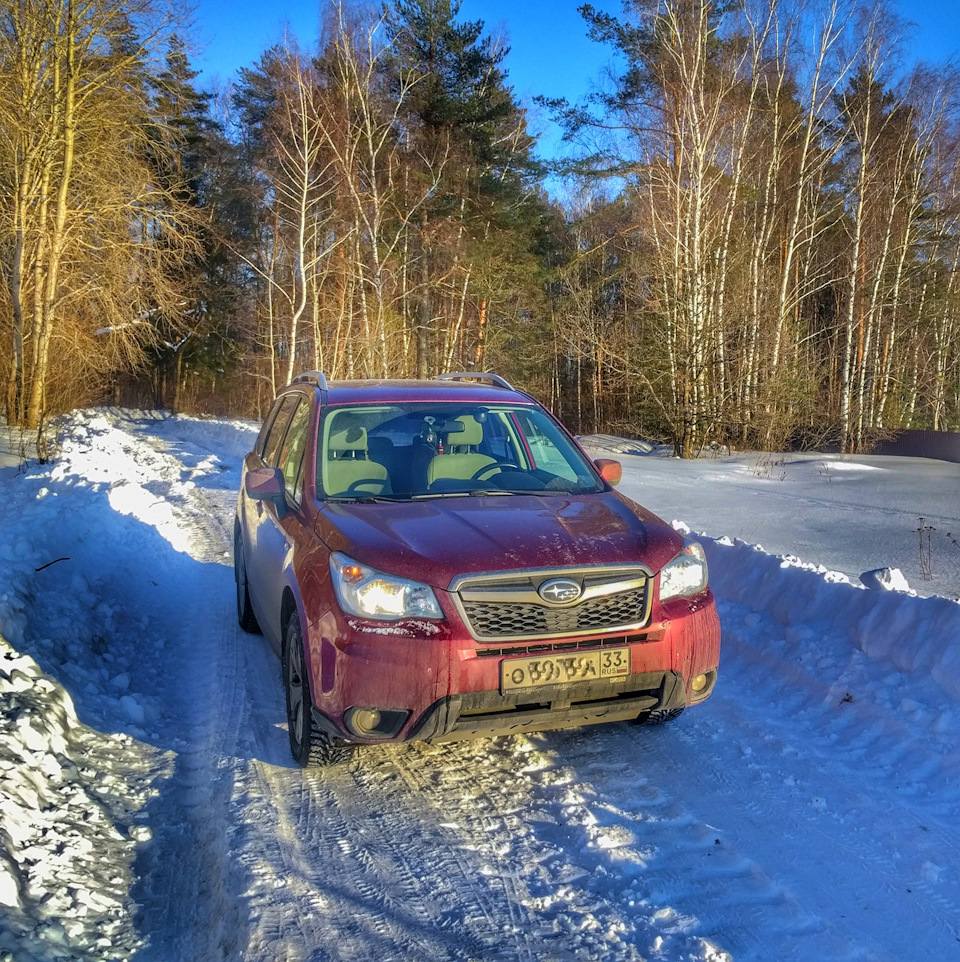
[309,744]
[245,616]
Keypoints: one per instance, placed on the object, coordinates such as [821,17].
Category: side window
[291,454]
[546,456]
[271,450]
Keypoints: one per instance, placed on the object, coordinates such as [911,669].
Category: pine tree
[184,137]
[475,240]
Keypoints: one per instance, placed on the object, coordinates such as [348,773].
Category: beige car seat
[347,468]
[461,461]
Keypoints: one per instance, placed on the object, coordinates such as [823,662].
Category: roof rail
[313,377]
[476,376]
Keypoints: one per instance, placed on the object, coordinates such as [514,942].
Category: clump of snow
[886,579]
[409,628]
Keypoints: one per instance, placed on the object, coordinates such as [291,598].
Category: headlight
[686,575]
[369,593]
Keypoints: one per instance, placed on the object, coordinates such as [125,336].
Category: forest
[753,238]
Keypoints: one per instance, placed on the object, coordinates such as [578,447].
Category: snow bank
[72,798]
[233,438]
[609,444]
[67,840]
[916,635]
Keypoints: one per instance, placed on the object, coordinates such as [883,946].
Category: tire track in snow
[512,803]
[333,847]
[779,805]
[187,880]
[190,910]
[473,901]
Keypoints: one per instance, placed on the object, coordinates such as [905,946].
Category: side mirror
[266,484]
[611,471]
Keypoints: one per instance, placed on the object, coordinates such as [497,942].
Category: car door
[275,535]
[260,518]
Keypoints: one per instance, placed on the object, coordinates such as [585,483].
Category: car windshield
[424,450]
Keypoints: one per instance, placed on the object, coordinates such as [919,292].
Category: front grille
[615,611]
[506,606]
[547,648]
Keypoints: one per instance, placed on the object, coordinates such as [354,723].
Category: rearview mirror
[266,484]
[610,470]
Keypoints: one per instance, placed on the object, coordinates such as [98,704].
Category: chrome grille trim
[586,644]
[505,606]
[511,594]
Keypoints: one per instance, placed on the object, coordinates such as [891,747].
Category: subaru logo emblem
[560,591]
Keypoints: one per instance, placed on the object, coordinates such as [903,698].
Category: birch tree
[81,257]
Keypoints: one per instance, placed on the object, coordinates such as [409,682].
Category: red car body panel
[419,667]
[412,666]
[433,541]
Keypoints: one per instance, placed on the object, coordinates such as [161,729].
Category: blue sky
[549,51]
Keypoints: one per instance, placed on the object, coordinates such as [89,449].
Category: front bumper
[434,683]
[489,713]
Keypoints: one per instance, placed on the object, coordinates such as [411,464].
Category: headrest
[472,432]
[349,439]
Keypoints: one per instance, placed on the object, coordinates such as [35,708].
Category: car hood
[435,540]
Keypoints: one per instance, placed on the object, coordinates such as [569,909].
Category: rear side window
[271,449]
[292,452]
[497,441]
[264,434]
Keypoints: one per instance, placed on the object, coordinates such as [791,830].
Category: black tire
[309,744]
[246,619]
[659,716]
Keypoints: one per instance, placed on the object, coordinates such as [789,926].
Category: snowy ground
[148,810]
[848,514]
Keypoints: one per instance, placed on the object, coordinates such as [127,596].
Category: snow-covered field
[809,811]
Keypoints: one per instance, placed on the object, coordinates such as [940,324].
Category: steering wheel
[493,468]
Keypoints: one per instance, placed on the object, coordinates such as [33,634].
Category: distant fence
[942,445]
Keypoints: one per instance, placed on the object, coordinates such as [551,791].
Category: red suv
[439,559]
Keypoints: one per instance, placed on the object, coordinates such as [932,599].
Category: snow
[886,579]
[149,810]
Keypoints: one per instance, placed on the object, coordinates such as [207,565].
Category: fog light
[365,721]
[374,722]
[699,683]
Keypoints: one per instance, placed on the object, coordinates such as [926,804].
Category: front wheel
[308,743]
[659,716]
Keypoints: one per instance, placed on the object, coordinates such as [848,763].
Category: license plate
[562,669]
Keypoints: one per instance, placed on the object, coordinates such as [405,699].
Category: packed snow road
[808,811]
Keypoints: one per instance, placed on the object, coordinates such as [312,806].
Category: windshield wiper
[366,499]
[475,493]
